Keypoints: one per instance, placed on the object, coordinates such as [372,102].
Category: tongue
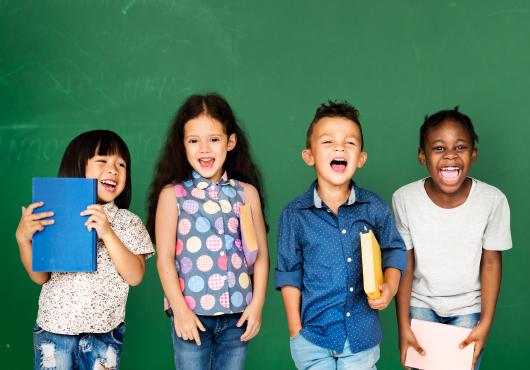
[449,174]
[338,167]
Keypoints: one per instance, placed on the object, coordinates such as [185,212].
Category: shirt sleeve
[136,238]
[289,269]
[497,235]
[400,217]
[393,251]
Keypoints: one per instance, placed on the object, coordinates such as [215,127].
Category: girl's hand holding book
[31,222]
[97,220]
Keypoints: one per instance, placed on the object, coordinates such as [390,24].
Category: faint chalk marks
[514,10]
[126,7]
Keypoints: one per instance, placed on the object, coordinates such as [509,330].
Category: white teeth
[450,169]
[108,182]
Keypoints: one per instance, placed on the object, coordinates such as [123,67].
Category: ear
[308,158]
[474,155]
[362,159]
[232,141]
[421,156]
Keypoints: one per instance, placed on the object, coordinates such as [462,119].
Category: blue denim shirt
[319,253]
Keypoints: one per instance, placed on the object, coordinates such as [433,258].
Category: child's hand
[186,324]
[408,339]
[252,315]
[387,293]
[479,334]
[31,222]
[97,220]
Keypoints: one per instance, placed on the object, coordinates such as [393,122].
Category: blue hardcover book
[67,245]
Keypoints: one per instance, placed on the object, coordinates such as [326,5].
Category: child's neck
[334,195]
[448,200]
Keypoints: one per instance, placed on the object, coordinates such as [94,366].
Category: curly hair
[173,166]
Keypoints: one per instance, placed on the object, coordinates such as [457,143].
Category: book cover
[66,245]
[440,343]
[248,235]
[371,262]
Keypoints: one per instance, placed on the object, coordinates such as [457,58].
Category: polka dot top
[213,273]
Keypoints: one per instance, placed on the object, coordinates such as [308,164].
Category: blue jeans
[464,321]
[81,352]
[307,355]
[221,346]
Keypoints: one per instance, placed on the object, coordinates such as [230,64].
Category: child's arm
[186,322]
[406,336]
[291,299]
[29,224]
[252,313]
[490,282]
[130,266]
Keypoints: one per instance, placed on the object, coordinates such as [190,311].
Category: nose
[204,147]
[112,169]
[450,154]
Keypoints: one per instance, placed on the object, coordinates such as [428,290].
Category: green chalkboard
[126,65]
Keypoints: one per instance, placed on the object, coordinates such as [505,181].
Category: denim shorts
[221,347]
[83,351]
[308,355]
[464,321]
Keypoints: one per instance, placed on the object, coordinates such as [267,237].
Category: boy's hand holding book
[388,290]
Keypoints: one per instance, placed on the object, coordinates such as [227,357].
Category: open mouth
[450,175]
[206,162]
[109,184]
[339,165]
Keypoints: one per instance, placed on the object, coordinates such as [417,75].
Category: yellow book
[248,235]
[372,267]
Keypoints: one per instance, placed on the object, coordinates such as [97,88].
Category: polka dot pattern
[212,272]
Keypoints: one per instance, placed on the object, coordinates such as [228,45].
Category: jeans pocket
[118,334]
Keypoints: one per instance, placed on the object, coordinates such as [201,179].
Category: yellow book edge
[247,228]
[371,264]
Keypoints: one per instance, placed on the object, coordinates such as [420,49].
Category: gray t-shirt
[448,244]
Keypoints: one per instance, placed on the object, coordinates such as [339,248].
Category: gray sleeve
[400,217]
[497,235]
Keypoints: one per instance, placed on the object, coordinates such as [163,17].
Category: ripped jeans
[88,351]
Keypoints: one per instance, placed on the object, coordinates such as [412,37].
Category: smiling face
[110,172]
[335,150]
[206,145]
[448,155]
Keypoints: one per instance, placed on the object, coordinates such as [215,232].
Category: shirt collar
[311,198]
[202,183]
[110,210]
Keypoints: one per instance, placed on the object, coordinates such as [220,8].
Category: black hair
[173,166]
[448,115]
[89,144]
[334,109]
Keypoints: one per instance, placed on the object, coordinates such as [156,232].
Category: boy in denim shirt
[331,321]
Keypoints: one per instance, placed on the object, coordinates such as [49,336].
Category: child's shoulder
[488,191]
[409,189]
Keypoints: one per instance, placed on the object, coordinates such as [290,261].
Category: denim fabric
[307,355]
[319,253]
[85,351]
[221,347]
[464,321]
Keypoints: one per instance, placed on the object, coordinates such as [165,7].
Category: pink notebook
[440,343]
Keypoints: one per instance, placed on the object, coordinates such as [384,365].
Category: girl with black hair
[80,323]
[204,175]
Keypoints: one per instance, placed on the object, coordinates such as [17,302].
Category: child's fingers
[478,349]
[242,319]
[32,207]
[39,216]
[196,336]
[199,324]
[466,341]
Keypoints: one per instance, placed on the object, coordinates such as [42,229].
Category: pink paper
[440,343]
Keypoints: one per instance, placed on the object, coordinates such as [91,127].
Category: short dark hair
[447,115]
[334,109]
[89,144]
